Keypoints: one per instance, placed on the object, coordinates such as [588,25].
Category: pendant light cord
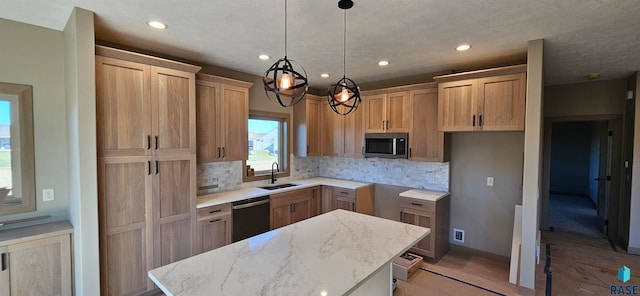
[344,47]
[285,28]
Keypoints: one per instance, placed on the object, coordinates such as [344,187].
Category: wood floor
[580,264]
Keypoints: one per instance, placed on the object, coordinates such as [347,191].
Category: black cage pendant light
[285,82]
[344,94]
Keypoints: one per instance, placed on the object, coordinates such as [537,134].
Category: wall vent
[458,235]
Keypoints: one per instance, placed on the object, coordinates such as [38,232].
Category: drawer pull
[416,204]
[4,261]
[344,192]
[215,220]
[215,211]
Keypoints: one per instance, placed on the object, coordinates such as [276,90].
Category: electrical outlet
[489,181]
[458,235]
[48,194]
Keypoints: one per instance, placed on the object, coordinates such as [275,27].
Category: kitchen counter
[337,253]
[424,194]
[244,193]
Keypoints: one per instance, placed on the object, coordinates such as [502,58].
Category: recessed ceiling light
[324,75]
[264,57]
[463,47]
[592,76]
[383,63]
[156,25]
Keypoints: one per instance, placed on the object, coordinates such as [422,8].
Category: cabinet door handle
[387,128]
[156,142]
[215,220]
[222,151]
[480,119]
[409,152]
[307,149]
[218,153]
[362,150]
[344,192]
[5,261]
[157,167]
[416,204]
[215,211]
[473,120]
[149,169]
[383,124]
[148,142]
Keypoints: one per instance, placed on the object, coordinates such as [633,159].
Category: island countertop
[330,254]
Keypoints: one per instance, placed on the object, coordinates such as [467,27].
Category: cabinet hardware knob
[157,167]
[473,120]
[416,204]
[215,220]
[344,192]
[148,142]
[215,211]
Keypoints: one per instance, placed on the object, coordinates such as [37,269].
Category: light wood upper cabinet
[36,260]
[142,108]
[375,113]
[486,100]
[354,133]
[387,112]
[123,107]
[307,116]
[426,143]
[222,118]
[502,102]
[332,131]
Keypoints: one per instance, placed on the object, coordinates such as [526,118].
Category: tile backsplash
[221,176]
[400,172]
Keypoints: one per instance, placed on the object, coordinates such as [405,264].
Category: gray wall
[486,213]
[570,157]
[588,98]
[35,56]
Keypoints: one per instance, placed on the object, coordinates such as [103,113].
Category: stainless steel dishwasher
[250,217]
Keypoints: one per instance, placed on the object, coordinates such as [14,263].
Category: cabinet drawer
[344,193]
[418,204]
[212,211]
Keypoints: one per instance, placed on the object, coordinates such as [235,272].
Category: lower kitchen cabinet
[213,227]
[356,200]
[429,214]
[293,206]
[36,260]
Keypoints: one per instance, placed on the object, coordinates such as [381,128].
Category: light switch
[489,181]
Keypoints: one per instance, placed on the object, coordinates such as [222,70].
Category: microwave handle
[394,145]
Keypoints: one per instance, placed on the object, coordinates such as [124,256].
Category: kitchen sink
[279,186]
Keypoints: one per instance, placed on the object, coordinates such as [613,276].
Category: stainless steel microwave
[386,145]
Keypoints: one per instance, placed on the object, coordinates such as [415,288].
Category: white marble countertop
[331,254]
[244,193]
[424,194]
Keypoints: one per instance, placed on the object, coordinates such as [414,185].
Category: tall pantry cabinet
[145,108]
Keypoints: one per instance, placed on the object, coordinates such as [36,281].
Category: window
[268,143]
[16,148]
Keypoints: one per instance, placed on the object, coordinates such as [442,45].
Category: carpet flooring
[573,213]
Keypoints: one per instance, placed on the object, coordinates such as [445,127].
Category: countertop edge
[424,194]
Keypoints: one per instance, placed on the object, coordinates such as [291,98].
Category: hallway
[573,213]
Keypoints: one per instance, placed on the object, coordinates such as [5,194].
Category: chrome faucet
[273,175]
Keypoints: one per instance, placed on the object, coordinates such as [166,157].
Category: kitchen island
[337,253]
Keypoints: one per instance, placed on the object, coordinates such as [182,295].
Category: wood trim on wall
[144,59]
[218,79]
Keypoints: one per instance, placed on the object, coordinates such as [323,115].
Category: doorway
[581,178]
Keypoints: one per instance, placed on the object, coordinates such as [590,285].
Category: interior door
[604,174]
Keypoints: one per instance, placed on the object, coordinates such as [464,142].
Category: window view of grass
[264,142]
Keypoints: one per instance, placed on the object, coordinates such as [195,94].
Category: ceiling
[416,36]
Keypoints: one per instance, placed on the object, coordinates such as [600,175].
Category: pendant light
[285,82]
[344,94]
